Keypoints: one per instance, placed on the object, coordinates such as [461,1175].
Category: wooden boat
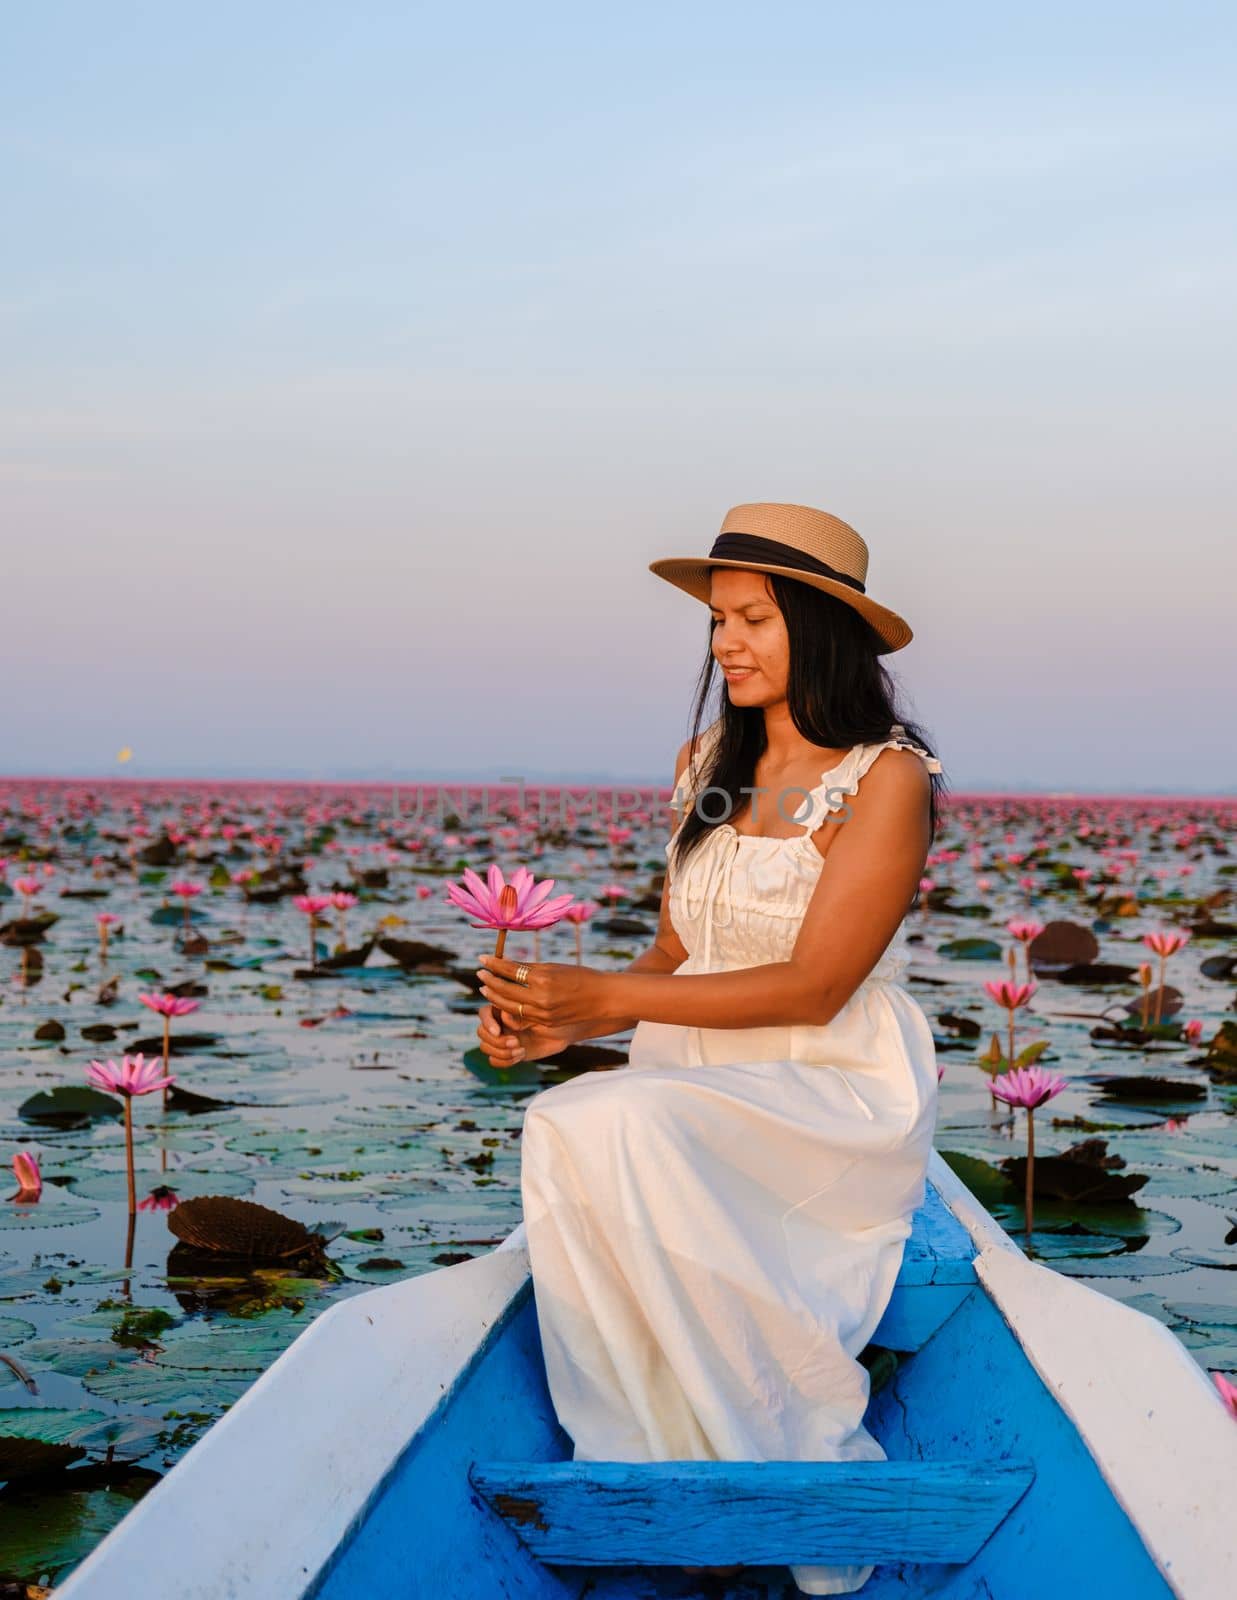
[1043,1439]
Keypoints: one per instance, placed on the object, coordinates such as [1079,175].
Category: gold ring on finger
[521,973]
[519,1010]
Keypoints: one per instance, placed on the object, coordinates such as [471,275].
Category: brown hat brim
[691,574]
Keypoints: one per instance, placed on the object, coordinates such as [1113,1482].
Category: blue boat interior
[989,1492]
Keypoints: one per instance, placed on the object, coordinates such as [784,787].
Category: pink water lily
[1227,1392]
[27,888]
[1028,1087]
[1025,930]
[313,905]
[168,1005]
[1165,942]
[1010,995]
[1013,996]
[186,891]
[29,1178]
[342,901]
[522,903]
[160,1198]
[130,1077]
[579,914]
[105,922]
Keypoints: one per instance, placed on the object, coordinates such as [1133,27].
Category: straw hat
[799,542]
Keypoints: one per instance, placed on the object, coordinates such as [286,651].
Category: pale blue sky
[356,360]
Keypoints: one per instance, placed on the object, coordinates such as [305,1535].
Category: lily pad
[51,1210]
[69,1105]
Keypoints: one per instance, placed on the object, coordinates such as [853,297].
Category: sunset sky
[358,359]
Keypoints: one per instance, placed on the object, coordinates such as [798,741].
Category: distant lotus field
[239,1076]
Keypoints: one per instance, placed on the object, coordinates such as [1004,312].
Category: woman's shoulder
[704,745]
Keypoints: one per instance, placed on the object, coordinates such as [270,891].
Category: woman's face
[750,641]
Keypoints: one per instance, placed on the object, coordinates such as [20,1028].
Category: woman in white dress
[715,1230]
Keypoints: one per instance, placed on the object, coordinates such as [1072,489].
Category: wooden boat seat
[662,1513]
[715,1512]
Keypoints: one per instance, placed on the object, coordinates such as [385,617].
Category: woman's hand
[506,1045]
[555,996]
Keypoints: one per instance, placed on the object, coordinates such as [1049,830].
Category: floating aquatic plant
[131,1076]
[313,905]
[1028,1087]
[186,892]
[29,1177]
[522,903]
[105,921]
[168,1006]
[579,914]
[1165,942]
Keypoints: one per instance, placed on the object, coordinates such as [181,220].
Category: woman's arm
[875,863]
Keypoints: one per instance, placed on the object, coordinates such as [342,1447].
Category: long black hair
[838,691]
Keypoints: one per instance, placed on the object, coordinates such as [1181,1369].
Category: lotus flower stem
[133,1075]
[1028,1087]
[129,1156]
[1165,943]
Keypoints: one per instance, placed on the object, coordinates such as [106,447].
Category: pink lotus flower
[1010,995]
[1165,942]
[313,905]
[1024,929]
[27,888]
[107,919]
[614,892]
[342,901]
[1027,1086]
[185,889]
[522,903]
[1193,1031]
[1227,1390]
[29,1178]
[423,891]
[133,1075]
[243,876]
[579,914]
[160,1198]
[168,1005]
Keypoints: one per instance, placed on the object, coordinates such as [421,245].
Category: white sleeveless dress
[714,1231]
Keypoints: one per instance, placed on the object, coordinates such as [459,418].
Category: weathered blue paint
[968,1393]
[713,1512]
[915,1314]
[971,1392]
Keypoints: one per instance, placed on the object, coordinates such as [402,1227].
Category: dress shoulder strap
[897,740]
[692,779]
[842,780]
